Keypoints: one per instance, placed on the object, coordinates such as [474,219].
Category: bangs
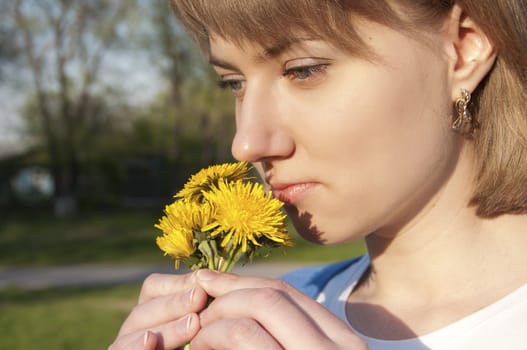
[267,22]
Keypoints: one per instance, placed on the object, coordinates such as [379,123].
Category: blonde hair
[499,103]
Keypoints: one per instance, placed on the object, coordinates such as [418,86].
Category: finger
[149,341]
[164,309]
[167,336]
[275,311]
[157,285]
[145,341]
[238,334]
[217,284]
[131,341]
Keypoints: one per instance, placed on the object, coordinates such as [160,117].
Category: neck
[447,244]
[439,265]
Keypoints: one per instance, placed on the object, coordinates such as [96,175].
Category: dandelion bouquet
[219,217]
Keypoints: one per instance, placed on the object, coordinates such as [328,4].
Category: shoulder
[311,280]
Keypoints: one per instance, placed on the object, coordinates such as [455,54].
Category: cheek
[369,122]
[383,112]
[385,141]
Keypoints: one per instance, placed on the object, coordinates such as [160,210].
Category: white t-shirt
[499,326]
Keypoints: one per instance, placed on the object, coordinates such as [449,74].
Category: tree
[8,52]
[64,43]
[198,106]
[185,124]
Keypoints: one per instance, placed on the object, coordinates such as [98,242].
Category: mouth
[291,193]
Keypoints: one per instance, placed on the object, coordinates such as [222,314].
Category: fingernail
[191,295]
[146,337]
[207,275]
[187,320]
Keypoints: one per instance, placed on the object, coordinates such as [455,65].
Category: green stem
[234,257]
[221,263]
[211,264]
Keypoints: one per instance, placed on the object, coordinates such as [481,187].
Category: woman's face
[352,146]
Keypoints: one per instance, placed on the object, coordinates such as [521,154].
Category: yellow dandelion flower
[182,219]
[220,217]
[246,216]
[209,178]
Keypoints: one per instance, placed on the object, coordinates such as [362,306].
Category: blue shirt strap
[312,280]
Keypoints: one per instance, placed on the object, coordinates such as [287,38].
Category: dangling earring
[463,122]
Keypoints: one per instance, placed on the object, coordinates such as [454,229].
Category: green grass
[89,318]
[125,237]
[94,238]
[62,319]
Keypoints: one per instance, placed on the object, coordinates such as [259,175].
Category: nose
[261,130]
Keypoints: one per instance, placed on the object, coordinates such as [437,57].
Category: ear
[471,52]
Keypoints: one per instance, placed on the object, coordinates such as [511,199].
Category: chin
[316,232]
[305,225]
[309,230]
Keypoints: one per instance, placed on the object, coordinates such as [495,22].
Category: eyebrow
[280,47]
[221,63]
[267,53]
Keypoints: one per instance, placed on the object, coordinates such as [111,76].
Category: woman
[401,122]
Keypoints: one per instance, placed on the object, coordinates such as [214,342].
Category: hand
[166,316]
[255,313]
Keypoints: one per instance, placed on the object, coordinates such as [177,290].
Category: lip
[291,193]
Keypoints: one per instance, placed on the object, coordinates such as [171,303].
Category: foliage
[87,123]
[64,44]
[8,51]
[74,318]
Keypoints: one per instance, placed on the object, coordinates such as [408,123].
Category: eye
[305,73]
[235,85]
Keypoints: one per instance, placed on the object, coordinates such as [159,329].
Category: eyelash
[229,84]
[294,73]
